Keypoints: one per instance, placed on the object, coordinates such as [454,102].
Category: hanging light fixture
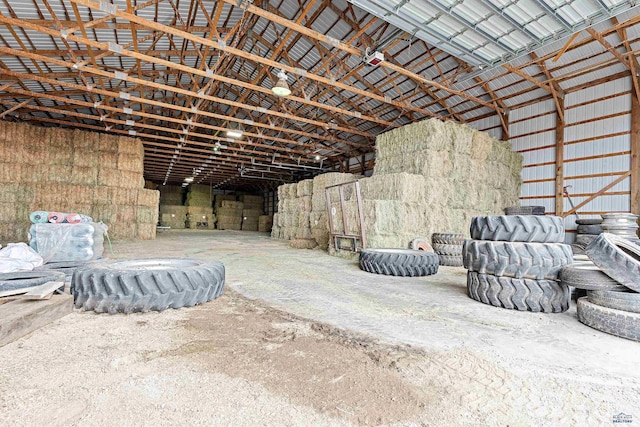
[281,88]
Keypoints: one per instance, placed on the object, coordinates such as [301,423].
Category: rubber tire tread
[538,296]
[605,252]
[619,300]
[518,228]
[591,279]
[442,249]
[451,260]
[105,290]
[447,238]
[589,229]
[517,259]
[611,321]
[27,279]
[403,263]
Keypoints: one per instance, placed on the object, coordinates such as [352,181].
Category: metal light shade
[281,88]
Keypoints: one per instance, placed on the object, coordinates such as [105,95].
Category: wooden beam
[635,155]
[566,46]
[560,160]
[599,193]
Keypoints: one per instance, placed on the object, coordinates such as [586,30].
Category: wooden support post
[560,158]
[635,153]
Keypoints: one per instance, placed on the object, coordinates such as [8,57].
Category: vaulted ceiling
[178,74]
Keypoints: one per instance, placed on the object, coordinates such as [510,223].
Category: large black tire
[585,239]
[615,322]
[586,276]
[619,300]
[515,259]
[539,296]
[146,284]
[589,221]
[589,229]
[451,260]
[617,257]
[27,279]
[524,210]
[518,228]
[441,249]
[399,262]
[447,239]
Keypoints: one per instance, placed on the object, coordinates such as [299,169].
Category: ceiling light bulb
[188,179]
[233,133]
[281,88]
[317,157]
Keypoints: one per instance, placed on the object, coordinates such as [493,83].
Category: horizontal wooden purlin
[581,159]
[121,26]
[587,176]
[168,130]
[252,57]
[173,89]
[172,119]
[349,49]
[203,73]
[609,193]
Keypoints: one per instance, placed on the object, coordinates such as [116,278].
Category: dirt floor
[302,338]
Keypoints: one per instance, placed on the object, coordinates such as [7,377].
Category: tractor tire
[622,324]
[518,228]
[539,296]
[399,262]
[618,300]
[515,259]
[28,279]
[618,258]
[146,284]
[447,238]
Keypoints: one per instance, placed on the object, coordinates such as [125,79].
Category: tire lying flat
[616,299]
[620,323]
[517,259]
[451,260]
[447,238]
[27,279]
[618,258]
[399,262]
[539,296]
[518,228]
[587,276]
[146,284]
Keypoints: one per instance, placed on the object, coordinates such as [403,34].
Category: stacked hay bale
[199,207]
[172,213]
[467,172]
[230,215]
[218,199]
[174,216]
[294,211]
[265,223]
[73,171]
[252,210]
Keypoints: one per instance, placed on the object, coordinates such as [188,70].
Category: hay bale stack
[432,176]
[73,171]
[252,202]
[293,213]
[200,217]
[219,198]
[276,229]
[199,195]
[171,195]
[174,216]
[265,223]
[230,215]
[250,218]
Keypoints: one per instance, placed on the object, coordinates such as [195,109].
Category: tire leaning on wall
[146,284]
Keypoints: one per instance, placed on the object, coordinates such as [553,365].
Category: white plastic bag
[19,257]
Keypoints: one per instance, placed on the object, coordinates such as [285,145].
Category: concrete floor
[542,369]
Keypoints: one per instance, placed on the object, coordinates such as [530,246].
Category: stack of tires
[588,229]
[612,282]
[448,246]
[514,262]
[624,225]
[524,210]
